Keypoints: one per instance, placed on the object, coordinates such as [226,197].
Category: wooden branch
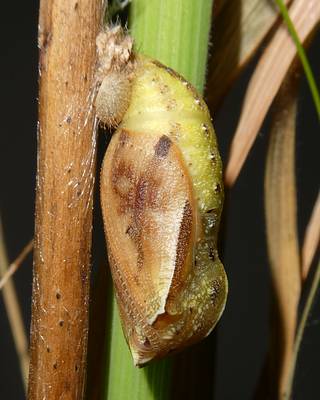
[66,168]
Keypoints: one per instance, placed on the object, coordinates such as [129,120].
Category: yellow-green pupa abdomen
[162,196]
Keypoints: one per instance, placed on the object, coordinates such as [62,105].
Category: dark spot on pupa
[213,157]
[215,291]
[48,349]
[55,365]
[58,296]
[164,89]
[68,119]
[76,368]
[132,232]
[61,322]
[146,342]
[123,139]
[217,188]
[205,129]
[163,146]
[129,230]
[211,254]
[76,6]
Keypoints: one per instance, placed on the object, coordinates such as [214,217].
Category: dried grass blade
[311,239]
[281,224]
[266,80]
[16,264]
[239,29]
[14,315]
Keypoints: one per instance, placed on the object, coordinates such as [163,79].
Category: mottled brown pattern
[137,192]
[124,136]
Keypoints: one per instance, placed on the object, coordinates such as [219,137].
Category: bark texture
[66,167]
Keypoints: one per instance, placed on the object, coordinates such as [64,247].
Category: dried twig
[66,168]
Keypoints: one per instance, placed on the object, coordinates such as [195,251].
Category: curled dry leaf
[281,224]
[311,239]
[266,81]
[239,29]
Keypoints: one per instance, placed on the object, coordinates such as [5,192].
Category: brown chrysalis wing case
[162,196]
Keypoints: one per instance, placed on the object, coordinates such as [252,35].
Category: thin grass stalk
[65,178]
[240,28]
[177,34]
[14,314]
[13,267]
[301,327]
[302,55]
[267,79]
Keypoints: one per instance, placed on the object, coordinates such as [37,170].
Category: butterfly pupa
[161,197]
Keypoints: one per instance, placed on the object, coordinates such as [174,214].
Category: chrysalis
[161,196]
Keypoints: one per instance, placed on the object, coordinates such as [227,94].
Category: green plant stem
[126,382]
[174,32]
[302,55]
[177,34]
[301,328]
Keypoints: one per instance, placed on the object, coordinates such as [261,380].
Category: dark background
[242,336]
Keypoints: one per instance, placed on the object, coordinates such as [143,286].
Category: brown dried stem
[66,167]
